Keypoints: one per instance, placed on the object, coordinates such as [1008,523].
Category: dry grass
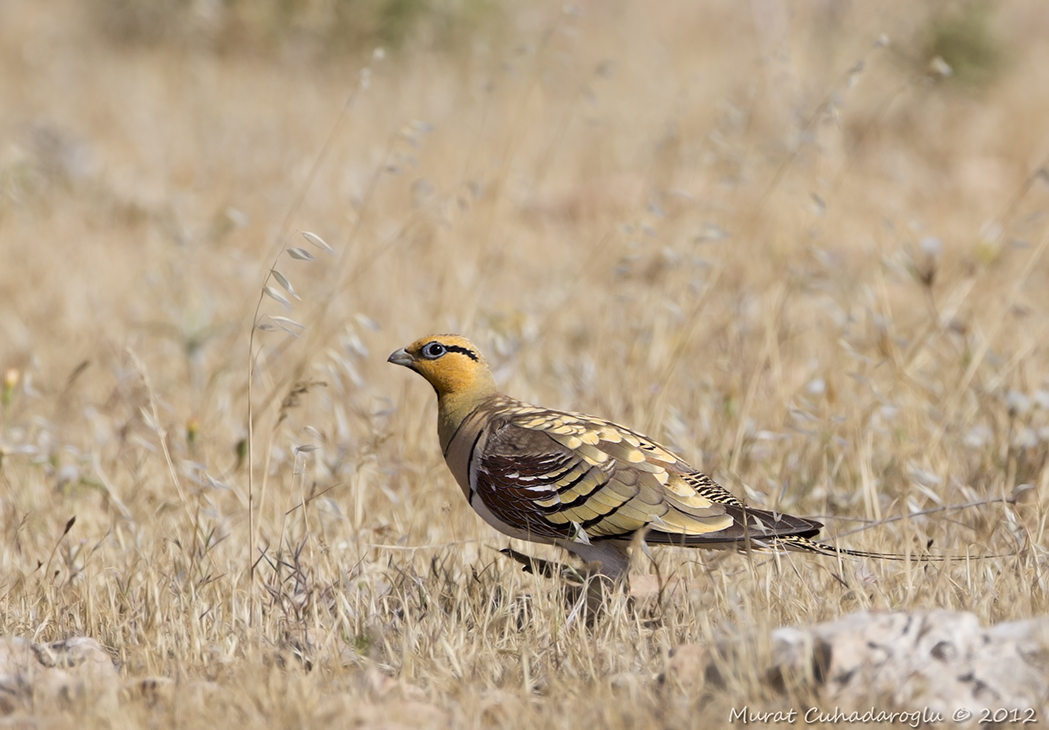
[823,284]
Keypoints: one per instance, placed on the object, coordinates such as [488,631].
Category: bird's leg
[589,587]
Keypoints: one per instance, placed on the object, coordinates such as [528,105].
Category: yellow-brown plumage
[461,381]
[583,483]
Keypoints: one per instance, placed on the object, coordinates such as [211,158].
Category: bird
[585,484]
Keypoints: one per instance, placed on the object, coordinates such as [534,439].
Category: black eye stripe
[435,349]
[462,351]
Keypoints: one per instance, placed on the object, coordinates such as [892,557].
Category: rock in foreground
[944,661]
[63,672]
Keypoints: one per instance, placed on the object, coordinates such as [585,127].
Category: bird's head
[450,363]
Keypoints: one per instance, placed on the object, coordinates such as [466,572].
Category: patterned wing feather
[567,476]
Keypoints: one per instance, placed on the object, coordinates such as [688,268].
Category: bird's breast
[468,440]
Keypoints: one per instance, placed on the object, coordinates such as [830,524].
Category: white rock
[69,673]
[945,661]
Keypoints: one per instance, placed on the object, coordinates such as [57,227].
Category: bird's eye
[433,350]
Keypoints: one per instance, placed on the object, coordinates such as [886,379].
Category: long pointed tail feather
[805,545]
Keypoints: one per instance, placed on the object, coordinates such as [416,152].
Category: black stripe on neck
[462,351]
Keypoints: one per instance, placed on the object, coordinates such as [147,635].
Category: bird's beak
[401,357]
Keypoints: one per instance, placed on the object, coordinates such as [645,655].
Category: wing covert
[563,476]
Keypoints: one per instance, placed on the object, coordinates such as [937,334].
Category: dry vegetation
[821,281]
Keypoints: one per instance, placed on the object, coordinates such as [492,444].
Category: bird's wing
[561,475]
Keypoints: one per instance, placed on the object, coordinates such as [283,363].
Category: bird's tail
[797,543]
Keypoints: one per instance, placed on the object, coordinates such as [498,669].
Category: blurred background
[591,175]
[801,243]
